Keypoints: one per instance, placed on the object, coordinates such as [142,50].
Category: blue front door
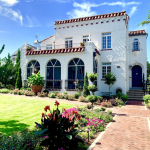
[136,76]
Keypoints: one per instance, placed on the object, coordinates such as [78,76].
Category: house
[108,46]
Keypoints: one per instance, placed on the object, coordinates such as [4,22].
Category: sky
[21,20]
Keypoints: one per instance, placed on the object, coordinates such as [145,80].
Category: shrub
[10,87]
[84,135]
[60,128]
[40,94]
[21,92]
[60,96]
[56,93]
[29,89]
[82,99]
[99,98]
[46,91]
[119,101]
[92,99]
[4,91]
[148,105]
[15,91]
[146,98]
[106,117]
[19,78]
[20,141]
[51,95]
[93,88]
[114,96]
[66,96]
[65,93]
[113,102]
[109,111]
[106,104]
[120,94]
[86,91]
[76,95]
[103,109]
[92,77]
[89,106]
[11,91]
[1,85]
[71,97]
[97,110]
[124,98]
[29,93]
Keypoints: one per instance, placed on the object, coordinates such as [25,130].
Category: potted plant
[29,48]
[82,44]
[36,82]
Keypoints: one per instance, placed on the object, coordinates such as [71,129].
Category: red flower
[73,126]
[43,114]
[46,107]
[79,117]
[50,116]
[76,113]
[70,119]
[56,103]
[53,118]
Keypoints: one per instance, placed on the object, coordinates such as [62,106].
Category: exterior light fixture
[130,66]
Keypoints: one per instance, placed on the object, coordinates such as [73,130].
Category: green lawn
[18,113]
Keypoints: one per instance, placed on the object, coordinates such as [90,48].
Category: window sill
[105,49]
[102,79]
[135,50]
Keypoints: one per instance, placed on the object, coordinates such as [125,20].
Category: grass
[18,113]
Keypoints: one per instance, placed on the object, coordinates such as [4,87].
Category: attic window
[49,46]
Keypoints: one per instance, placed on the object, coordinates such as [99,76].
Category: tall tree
[18,72]
[2,48]
[147,21]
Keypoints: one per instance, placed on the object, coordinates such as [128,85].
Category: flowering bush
[60,96]
[21,92]
[56,93]
[46,91]
[71,97]
[89,106]
[29,93]
[82,99]
[15,91]
[66,96]
[106,104]
[60,128]
[51,95]
[65,93]
[36,79]
[40,94]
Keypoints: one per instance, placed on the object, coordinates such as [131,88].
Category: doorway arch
[136,76]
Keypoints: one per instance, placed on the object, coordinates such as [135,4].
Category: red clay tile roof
[122,13]
[47,38]
[138,32]
[54,51]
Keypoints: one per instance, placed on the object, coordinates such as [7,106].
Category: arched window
[53,74]
[33,67]
[135,45]
[75,71]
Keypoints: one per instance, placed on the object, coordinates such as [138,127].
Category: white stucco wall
[138,57]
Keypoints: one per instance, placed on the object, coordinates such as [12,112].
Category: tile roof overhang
[122,13]
[54,51]
[138,32]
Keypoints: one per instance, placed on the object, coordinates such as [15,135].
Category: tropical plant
[60,128]
[86,91]
[36,79]
[110,79]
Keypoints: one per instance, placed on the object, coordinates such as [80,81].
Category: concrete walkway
[129,131]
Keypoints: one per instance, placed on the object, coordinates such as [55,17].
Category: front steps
[135,94]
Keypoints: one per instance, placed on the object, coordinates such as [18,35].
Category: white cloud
[133,10]
[8,12]
[4,32]
[61,1]
[84,9]
[8,2]
[32,22]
